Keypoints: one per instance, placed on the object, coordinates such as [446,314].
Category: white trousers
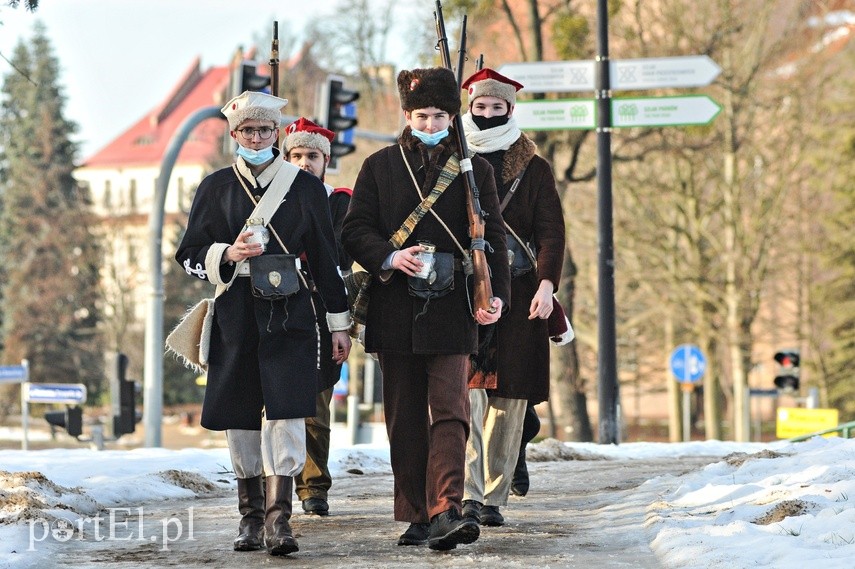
[279,448]
[495,432]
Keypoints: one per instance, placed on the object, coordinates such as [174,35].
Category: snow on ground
[782,505]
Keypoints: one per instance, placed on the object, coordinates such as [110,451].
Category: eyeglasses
[263,133]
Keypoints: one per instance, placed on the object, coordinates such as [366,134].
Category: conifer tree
[50,271]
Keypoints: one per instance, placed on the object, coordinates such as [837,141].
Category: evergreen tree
[50,274]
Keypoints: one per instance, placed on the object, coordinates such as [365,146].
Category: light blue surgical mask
[255,157]
[430,139]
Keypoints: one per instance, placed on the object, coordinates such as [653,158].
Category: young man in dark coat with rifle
[263,363]
[423,344]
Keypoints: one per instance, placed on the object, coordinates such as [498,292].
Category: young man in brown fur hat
[423,341]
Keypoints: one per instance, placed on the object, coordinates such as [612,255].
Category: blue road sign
[69,393]
[13,374]
[688,363]
[341,387]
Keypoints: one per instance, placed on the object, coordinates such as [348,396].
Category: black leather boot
[278,536]
[449,529]
[531,427]
[519,486]
[251,507]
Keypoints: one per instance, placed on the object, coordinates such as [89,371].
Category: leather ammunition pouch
[519,259]
[441,281]
[274,277]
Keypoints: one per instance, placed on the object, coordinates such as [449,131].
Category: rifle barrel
[274,61]
[481,270]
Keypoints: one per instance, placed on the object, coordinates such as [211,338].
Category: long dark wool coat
[383,197]
[263,354]
[535,214]
[330,372]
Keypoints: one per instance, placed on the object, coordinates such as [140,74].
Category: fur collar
[432,159]
[517,157]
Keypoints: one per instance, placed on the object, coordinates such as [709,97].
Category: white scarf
[492,139]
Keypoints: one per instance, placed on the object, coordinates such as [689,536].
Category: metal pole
[607,356]
[687,415]
[25,407]
[153,376]
[353,418]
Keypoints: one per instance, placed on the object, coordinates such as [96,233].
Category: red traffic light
[787,358]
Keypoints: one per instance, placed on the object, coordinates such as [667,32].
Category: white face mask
[255,157]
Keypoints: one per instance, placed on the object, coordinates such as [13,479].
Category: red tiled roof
[146,141]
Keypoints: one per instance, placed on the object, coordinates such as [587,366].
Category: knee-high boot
[519,485]
[277,531]
[251,507]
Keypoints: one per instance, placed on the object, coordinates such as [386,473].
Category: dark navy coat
[263,355]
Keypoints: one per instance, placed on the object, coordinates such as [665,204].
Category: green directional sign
[664,111]
[566,114]
[580,114]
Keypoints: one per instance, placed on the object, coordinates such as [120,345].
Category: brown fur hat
[430,87]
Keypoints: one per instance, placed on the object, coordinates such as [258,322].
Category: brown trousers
[315,479]
[426,402]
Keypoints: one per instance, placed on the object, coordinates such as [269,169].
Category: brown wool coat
[534,213]
[383,197]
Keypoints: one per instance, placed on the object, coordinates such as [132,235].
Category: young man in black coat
[263,362]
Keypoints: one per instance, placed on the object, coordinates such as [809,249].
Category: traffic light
[122,396]
[249,79]
[71,420]
[787,374]
[337,112]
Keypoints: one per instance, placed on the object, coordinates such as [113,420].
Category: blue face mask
[255,157]
[430,139]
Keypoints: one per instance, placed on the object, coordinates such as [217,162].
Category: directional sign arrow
[547,76]
[10,374]
[662,72]
[69,393]
[568,114]
[624,74]
[664,111]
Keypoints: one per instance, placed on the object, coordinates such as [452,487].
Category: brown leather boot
[251,507]
[277,531]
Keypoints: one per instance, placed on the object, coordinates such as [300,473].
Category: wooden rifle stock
[480,268]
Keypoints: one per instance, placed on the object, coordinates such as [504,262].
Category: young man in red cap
[424,344]
[512,365]
[262,368]
[307,146]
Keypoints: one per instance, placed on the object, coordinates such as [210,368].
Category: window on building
[132,196]
[108,195]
